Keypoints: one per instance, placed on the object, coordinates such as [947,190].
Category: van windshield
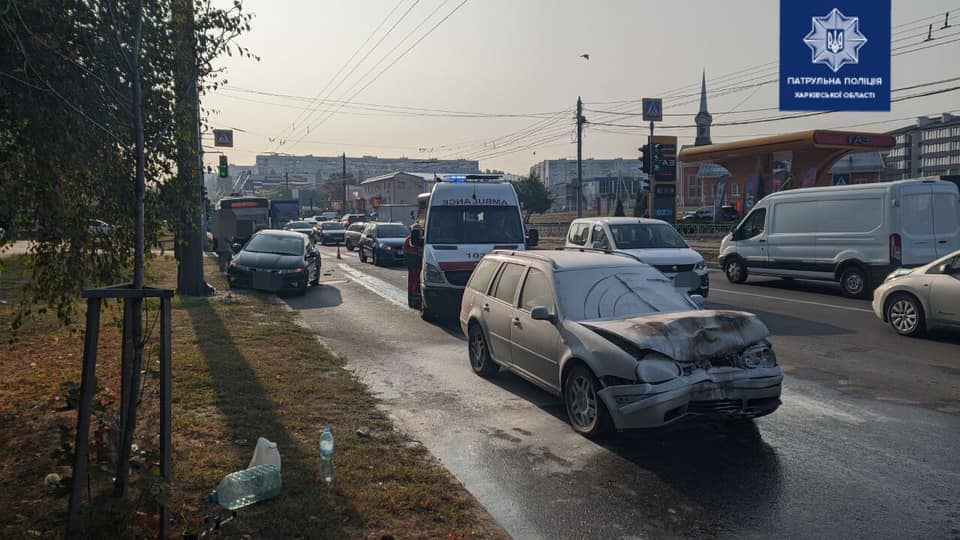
[474,225]
[646,235]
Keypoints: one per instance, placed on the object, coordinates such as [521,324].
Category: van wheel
[853,282]
[735,270]
[905,315]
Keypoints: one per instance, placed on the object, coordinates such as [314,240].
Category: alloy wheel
[582,402]
[903,316]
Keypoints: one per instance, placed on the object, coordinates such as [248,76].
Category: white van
[855,234]
[467,216]
[654,241]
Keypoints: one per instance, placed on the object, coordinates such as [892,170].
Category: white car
[623,345]
[913,300]
[654,241]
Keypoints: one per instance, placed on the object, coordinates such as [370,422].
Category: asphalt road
[864,446]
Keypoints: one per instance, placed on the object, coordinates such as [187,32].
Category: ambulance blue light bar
[470,178]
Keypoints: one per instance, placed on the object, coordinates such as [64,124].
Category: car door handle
[486,307]
[516,322]
[763,240]
[942,242]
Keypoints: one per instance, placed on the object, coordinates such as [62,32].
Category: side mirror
[945,268]
[697,299]
[533,237]
[542,314]
[236,247]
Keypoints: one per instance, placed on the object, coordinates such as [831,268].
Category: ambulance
[464,217]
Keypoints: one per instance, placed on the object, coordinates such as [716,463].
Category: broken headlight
[759,355]
[656,368]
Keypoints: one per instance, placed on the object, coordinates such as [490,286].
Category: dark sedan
[303,227]
[383,243]
[276,261]
[330,232]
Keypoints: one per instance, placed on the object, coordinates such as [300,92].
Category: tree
[619,209]
[69,147]
[640,208]
[533,195]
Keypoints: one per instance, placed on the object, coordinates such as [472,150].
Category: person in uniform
[413,256]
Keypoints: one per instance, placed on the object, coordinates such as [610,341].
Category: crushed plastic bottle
[326,457]
[243,488]
[265,453]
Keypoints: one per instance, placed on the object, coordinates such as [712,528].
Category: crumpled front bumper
[717,392]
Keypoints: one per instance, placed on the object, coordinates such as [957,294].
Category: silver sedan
[913,300]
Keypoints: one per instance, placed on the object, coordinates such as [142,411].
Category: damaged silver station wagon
[623,345]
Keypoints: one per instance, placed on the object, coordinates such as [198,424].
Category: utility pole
[343,172]
[579,156]
[190,280]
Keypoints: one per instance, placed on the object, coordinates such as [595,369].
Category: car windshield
[392,231]
[474,225]
[617,292]
[299,225]
[331,226]
[280,245]
[646,236]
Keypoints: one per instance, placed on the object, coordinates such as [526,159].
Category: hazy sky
[523,57]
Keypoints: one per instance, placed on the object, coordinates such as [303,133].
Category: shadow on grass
[249,411]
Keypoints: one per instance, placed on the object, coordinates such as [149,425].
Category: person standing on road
[413,256]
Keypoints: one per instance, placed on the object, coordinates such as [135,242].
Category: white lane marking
[782,299]
[377,286]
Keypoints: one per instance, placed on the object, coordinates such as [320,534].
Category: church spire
[703,118]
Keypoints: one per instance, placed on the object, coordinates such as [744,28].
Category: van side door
[946,222]
[792,238]
[751,238]
[916,225]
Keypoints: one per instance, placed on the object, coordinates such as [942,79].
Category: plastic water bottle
[243,488]
[326,456]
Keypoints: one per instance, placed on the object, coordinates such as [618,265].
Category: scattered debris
[363,431]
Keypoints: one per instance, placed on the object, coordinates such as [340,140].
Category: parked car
[330,232]
[855,235]
[383,243]
[351,237]
[616,340]
[275,260]
[913,300]
[302,227]
[704,214]
[653,240]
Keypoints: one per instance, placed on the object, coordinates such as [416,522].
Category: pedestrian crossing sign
[223,137]
[652,110]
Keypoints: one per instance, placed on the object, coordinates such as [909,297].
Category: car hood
[268,261]
[686,336]
[661,256]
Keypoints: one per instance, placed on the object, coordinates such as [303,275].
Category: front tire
[349,245]
[587,414]
[735,270]
[376,258]
[853,282]
[316,280]
[905,315]
[480,360]
[363,255]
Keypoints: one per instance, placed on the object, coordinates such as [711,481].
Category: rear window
[357,227]
[474,225]
[331,226]
[507,284]
[392,231]
[482,275]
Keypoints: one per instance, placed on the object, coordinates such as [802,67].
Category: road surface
[865,444]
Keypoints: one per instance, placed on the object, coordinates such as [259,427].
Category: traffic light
[645,157]
[223,169]
[657,157]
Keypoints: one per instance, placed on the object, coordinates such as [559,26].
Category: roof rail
[526,254]
[604,251]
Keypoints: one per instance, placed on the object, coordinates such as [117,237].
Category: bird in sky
[585,56]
